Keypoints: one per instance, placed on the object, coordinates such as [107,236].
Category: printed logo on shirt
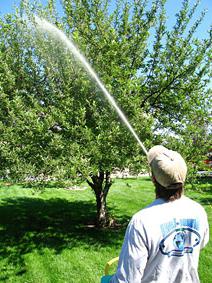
[179,237]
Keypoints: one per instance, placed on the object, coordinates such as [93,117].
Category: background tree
[59,123]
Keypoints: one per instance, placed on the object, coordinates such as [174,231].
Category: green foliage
[54,121]
[60,122]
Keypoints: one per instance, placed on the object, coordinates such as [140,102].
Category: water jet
[46,26]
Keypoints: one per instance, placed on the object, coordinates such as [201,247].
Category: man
[163,241]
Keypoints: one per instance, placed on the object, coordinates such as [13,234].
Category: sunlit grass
[46,236]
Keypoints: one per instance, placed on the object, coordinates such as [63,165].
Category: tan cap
[168,167]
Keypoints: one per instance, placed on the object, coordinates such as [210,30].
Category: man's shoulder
[188,202]
[159,208]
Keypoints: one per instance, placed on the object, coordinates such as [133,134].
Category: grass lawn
[45,236]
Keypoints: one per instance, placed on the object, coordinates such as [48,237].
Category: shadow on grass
[202,191]
[205,198]
[49,184]
[29,224]
[206,201]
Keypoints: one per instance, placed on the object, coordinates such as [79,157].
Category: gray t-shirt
[162,243]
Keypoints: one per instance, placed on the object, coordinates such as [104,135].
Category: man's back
[163,242]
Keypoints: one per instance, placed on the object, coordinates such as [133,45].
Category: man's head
[168,168]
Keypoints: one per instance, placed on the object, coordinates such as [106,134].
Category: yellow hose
[109,263]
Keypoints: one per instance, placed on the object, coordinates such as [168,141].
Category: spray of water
[48,27]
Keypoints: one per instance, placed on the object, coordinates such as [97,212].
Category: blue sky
[173,6]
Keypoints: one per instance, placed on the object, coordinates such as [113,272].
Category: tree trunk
[101,184]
